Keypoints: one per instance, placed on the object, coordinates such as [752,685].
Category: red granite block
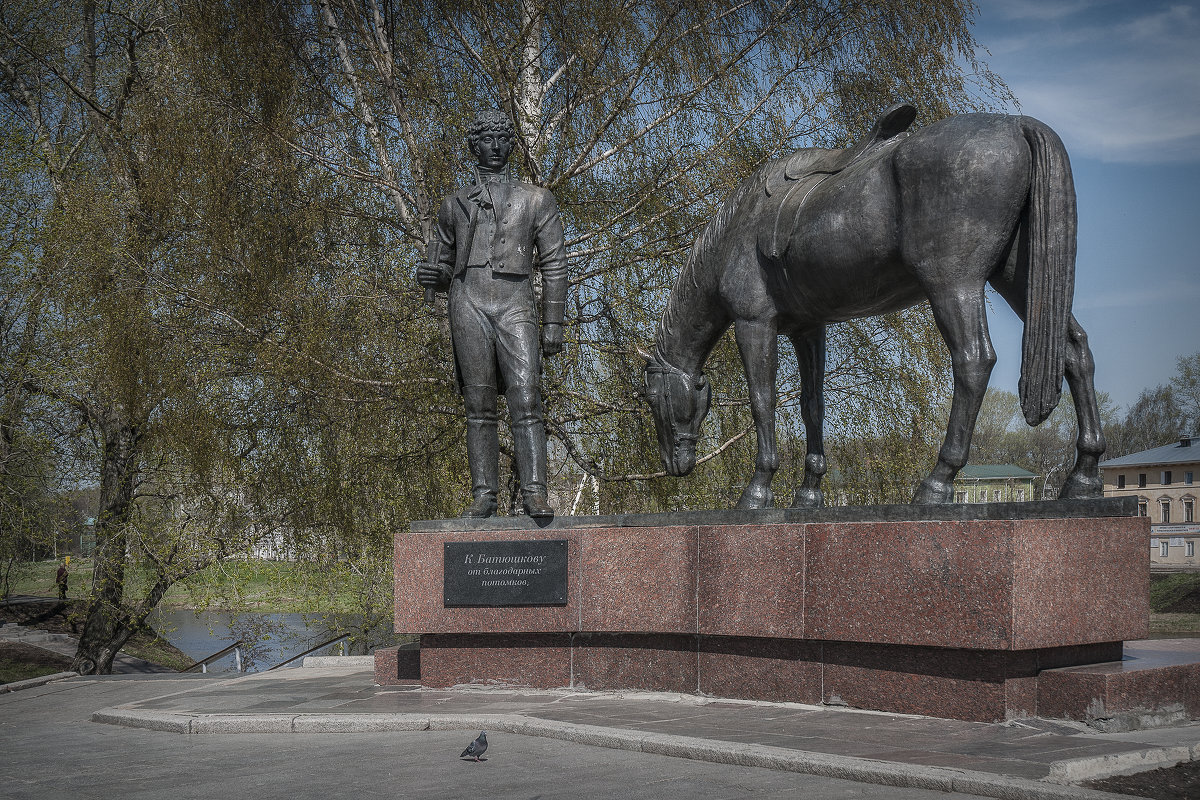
[751,580]
[1156,676]
[775,670]
[420,569]
[397,665]
[520,660]
[942,584]
[648,662]
[960,684]
[1080,580]
[638,580]
[1020,697]
[386,671]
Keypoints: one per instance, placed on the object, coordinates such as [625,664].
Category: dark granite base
[1039,509]
[982,686]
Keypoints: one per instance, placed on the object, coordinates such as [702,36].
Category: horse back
[936,208]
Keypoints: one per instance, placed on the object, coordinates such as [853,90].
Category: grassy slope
[20,662]
[1175,604]
[266,586]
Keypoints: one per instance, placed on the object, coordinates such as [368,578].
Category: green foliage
[1160,415]
[208,291]
[1048,451]
[1175,592]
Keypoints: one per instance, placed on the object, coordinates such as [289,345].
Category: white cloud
[1039,10]
[1159,294]
[1121,90]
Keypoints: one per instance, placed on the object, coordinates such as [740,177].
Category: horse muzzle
[681,459]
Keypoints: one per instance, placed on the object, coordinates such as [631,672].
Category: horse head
[678,402]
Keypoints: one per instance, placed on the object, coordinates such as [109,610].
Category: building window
[1120,481]
[1141,480]
[1142,509]
[1189,509]
[1162,548]
[1187,478]
[1166,477]
[960,497]
[1164,507]
[1020,495]
[1189,548]
[995,495]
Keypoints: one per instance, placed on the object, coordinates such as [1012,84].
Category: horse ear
[646,355]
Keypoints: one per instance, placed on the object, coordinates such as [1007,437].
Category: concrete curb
[32,683]
[341,662]
[1075,770]
[862,770]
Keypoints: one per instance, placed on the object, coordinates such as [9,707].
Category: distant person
[60,578]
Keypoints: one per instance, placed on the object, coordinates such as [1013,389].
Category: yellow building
[1162,479]
[994,483]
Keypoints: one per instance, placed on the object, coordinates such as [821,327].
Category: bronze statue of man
[488,234]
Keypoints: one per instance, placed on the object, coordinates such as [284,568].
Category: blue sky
[1119,80]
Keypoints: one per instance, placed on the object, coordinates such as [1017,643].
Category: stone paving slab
[1025,758]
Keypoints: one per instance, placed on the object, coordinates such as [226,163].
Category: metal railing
[310,650]
[236,648]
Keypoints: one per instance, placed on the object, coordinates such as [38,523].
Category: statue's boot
[529,442]
[483,450]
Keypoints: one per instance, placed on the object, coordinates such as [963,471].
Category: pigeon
[476,748]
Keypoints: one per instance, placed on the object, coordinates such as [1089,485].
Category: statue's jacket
[526,219]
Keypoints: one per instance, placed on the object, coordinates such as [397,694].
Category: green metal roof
[993,472]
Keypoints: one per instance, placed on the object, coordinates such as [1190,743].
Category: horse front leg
[810,356]
[1084,479]
[961,318]
[757,343]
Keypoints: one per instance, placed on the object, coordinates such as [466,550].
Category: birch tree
[162,225]
[640,117]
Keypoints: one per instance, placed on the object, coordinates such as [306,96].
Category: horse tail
[1049,248]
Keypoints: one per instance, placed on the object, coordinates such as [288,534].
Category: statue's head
[491,137]
[678,402]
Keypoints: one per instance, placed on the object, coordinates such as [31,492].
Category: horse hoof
[932,493]
[1081,487]
[808,498]
[752,501]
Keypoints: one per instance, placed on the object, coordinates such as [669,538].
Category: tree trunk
[107,625]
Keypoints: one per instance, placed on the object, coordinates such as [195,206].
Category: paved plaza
[322,731]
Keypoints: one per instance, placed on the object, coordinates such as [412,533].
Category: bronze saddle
[794,178]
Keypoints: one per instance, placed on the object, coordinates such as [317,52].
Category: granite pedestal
[948,611]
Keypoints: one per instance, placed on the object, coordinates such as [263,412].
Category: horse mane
[708,239]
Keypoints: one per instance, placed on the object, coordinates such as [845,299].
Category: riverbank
[56,616]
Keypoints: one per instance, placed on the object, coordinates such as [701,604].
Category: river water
[270,638]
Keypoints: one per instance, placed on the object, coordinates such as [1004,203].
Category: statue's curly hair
[490,120]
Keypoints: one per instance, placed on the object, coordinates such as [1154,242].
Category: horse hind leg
[810,355]
[1083,481]
[962,321]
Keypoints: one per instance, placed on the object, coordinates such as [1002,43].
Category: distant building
[1162,479]
[994,483]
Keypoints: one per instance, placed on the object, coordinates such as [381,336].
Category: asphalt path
[51,750]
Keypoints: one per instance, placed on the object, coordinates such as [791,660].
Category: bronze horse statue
[824,236]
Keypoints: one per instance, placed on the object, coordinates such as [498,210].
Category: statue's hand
[552,339]
[433,276]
